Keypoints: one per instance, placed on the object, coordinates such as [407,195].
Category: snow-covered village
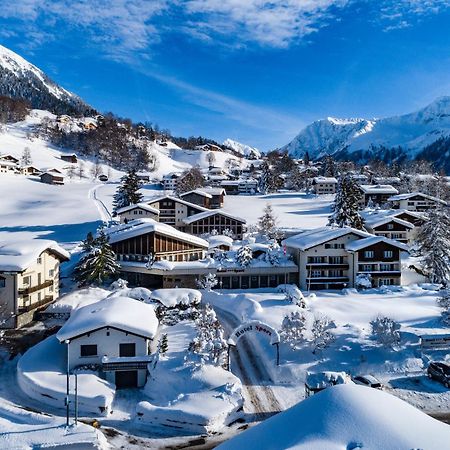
[181,289]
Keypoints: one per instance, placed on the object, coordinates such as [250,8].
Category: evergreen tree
[244,256]
[306,158]
[163,344]
[25,160]
[97,265]
[346,204]
[89,243]
[267,223]
[329,167]
[128,192]
[434,244]
[269,180]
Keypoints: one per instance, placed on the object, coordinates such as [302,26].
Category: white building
[415,201]
[324,185]
[138,211]
[113,336]
[170,181]
[377,194]
[29,278]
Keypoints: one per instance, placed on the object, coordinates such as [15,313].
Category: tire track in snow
[252,372]
[105,215]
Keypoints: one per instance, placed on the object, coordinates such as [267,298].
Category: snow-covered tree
[98,264]
[294,295]
[293,328]
[163,344]
[329,167]
[227,232]
[211,158]
[386,331]
[445,317]
[118,284]
[96,169]
[346,204]
[244,256]
[207,282]
[267,223]
[128,191]
[321,334]
[269,180]
[434,244]
[272,255]
[443,299]
[189,180]
[220,255]
[209,345]
[363,281]
[25,160]
[80,169]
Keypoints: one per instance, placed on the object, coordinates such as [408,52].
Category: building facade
[416,201]
[138,211]
[377,194]
[206,222]
[324,185]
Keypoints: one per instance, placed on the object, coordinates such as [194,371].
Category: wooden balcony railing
[30,289]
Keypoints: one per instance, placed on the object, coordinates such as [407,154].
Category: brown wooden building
[211,198]
[52,178]
[207,221]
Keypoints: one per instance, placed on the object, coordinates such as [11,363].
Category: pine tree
[267,223]
[269,180]
[244,256]
[25,160]
[329,167]
[88,243]
[128,192]
[306,158]
[163,344]
[346,204]
[434,244]
[98,265]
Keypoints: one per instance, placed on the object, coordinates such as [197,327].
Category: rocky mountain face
[424,134]
[243,149]
[21,79]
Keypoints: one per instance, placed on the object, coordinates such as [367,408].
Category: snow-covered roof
[367,242]
[176,296]
[143,206]
[374,221]
[18,255]
[124,313]
[378,189]
[322,380]
[208,213]
[370,215]
[346,416]
[218,240]
[309,239]
[141,226]
[175,199]
[414,194]
[325,180]
[198,192]
[5,162]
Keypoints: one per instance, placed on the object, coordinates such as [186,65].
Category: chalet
[326,257]
[29,170]
[52,178]
[231,186]
[29,279]
[70,158]
[390,227]
[211,198]
[377,194]
[10,158]
[324,185]
[414,217]
[173,210]
[415,201]
[114,336]
[170,181]
[208,148]
[207,221]
[8,166]
[138,211]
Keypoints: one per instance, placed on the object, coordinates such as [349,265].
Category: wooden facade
[219,222]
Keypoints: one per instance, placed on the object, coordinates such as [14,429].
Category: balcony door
[127,349]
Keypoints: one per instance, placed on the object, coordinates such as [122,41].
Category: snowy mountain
[21,79]
[409,136]
[242,149]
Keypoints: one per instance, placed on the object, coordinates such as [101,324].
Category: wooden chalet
[207,221]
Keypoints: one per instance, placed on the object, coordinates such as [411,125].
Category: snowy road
[105,215]
[260,399]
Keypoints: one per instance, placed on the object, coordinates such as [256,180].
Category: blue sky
[253,70]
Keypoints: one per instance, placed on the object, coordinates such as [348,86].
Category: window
[127,349]
[368,254]
[27,280]
[51,272]
[88,350]
[316,274]
[2,282]
[390,226]
[39,260]
[388,253]
[386,282]
[367,268]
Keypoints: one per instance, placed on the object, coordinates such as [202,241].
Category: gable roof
[372,240]
[138,205]
[175,199]
[209,213]
[378,189]
[17,255]
[318,236]
[374,222]
[142,226]
[414,194]
[198,192]
[123,313]
[325,180]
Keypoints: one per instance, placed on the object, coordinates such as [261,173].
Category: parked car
[368,380]
[103,177]
[439,371]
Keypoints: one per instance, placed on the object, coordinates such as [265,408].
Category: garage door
[126,379]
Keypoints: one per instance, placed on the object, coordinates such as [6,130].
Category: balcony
[27,290]
[47,299]
[325,265]
[125,363]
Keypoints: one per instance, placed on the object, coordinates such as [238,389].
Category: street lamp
[67,384]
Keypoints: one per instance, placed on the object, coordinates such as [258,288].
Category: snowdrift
[177,296]
[346,417]
[41,374]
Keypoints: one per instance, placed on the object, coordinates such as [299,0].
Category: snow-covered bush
[227,232]
[293,294]
[219,255]
[386,331]
[363,281]
[207,282]
[321,334]
[272,256]
[444,299]
[244,256]
[118,284]
[293,328]
[209,346]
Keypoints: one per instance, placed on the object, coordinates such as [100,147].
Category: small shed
[70,158]
[52,178]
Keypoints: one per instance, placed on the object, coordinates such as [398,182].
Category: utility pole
[67,385]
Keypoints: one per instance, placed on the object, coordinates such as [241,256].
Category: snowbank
[346,417]
[177,296]
[76,299]
[41,374]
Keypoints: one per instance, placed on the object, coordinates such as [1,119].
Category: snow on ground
[346,417]
[192,400]
[177,296]
[354,350]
